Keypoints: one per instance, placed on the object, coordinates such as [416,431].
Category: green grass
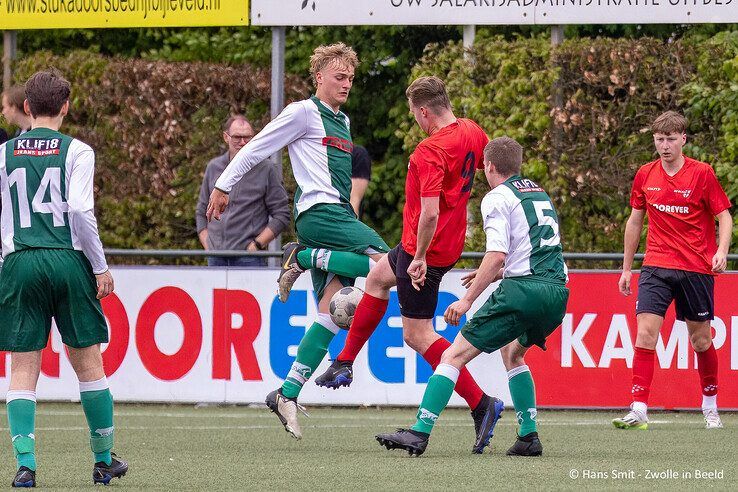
[186,448]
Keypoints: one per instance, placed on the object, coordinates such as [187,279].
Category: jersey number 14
[51,184]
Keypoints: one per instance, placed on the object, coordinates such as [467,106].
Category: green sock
[437,394]
[523,394]
[339,262]
[98,406]
[310,353]
[22,424]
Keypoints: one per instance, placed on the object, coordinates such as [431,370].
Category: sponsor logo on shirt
[672,209]
[526,186]
[684,193]
[653,188]
[36,147]
[339,143]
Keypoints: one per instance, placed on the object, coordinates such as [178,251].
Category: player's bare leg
[368,314]
[649,326]
[25,368]
[700,336]
[97,403]
[522,390]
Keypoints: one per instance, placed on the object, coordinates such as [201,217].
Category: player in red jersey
[439,180]
[682,198]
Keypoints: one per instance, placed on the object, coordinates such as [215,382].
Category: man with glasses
[259,208]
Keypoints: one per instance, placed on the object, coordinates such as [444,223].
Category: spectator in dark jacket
[258,210]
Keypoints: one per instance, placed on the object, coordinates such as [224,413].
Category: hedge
[154,125]
[586,149]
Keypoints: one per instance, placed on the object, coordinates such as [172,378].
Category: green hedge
[585,151]
[154,126]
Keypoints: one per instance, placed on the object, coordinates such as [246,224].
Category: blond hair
[668,123]
[326,54]
[429,92]
[506,154]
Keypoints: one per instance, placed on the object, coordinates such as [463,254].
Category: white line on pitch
[318,416]
[332,426]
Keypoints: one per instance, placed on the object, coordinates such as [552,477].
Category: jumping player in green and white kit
[54,267]
[334,244]
[524,249]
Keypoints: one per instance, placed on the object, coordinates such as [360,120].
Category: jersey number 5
[547,221]
[51,183]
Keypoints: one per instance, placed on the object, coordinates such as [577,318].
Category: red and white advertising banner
[181,334]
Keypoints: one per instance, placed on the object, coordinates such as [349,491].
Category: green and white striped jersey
[46,181]
[520,221]
[319,145]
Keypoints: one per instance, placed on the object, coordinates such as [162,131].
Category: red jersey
[681,212]
[443,165]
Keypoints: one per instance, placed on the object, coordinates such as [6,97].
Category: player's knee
[450,357]
[700,341]
[646,340]
[376,282]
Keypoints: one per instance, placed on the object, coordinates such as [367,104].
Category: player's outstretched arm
[485,275]
[725,231]
[633,228]
[290,125]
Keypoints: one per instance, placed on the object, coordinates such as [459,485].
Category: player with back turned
[54,267]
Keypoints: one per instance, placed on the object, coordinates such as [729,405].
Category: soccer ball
[343,306]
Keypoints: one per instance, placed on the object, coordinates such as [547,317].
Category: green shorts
[335,227]
[38,284]
[528,309]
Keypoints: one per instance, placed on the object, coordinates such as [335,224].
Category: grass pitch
[239,448]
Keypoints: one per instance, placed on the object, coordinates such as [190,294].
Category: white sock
[100,384]
[640,407]
[709,402]
[447,371]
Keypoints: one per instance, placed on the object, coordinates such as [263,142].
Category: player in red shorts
[682,197]
[439,179]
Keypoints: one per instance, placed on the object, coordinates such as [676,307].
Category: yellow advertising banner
[55,14]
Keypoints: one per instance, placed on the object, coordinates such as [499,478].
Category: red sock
[707,366]
[369,313]
[643,362]
[466,387]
